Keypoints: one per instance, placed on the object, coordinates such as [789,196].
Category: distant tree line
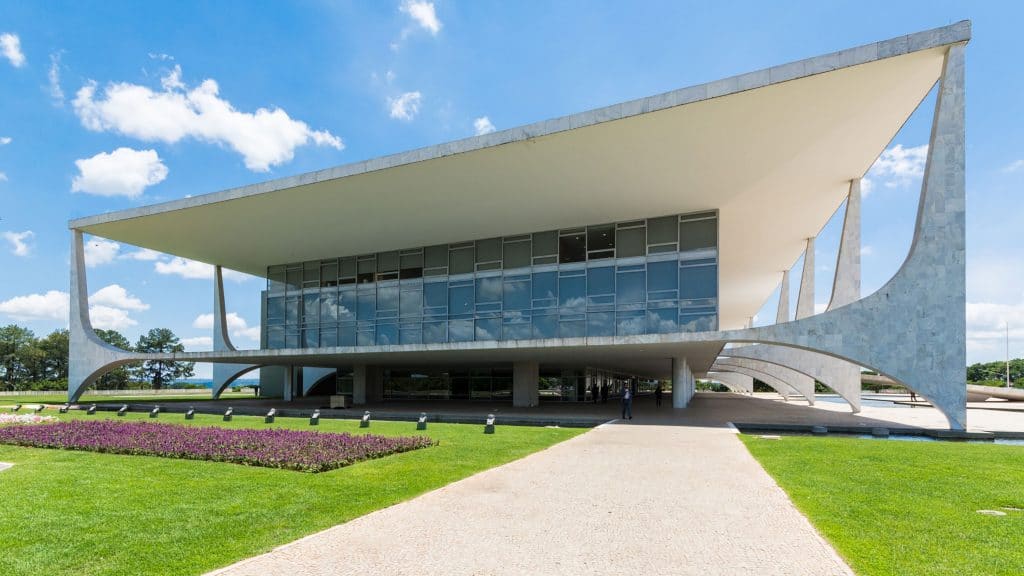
[994,373]
[31,363]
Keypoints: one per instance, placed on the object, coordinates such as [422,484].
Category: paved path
[620,499]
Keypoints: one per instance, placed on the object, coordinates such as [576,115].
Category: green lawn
[37,398]
[906,508]
[65,512]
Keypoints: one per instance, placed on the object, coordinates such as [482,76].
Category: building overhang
[773,151]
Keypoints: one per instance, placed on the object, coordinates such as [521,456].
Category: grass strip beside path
[185,396]
[69,512]
[906,508]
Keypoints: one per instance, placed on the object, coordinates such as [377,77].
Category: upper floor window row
[676,233]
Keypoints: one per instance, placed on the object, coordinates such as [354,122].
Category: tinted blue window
[631,288]
[662,275]
[488,329]
[367,306]
[601,324]
[545,289]
[601,281]
[663,320]
[460,300]
[347,305]
[488,289]
[387,334]
[516,293]
[435,332]
[571,292]
[460,330]
[545,326]
[387,298]
[698,282]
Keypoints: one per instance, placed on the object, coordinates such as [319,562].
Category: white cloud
[53,78]
[896,167]
[265,138]
[192,270]
[866,250]
[123,172]
[1014,166]
[3,177]
[986,331]
[197,344]
[10,47]
[53,305]
[142,254]
[160,56]
[5,140]
[109,318]
[117,297]
[185,268]
[483,126]
[19,242]
[99,251]
[422,13]
[406,106]
[237,326]
[108,312]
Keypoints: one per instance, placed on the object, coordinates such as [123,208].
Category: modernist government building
[616,247]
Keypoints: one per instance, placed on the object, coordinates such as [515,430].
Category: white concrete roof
[772,150]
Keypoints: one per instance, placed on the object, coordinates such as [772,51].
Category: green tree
[19,356]
[119,378]
[54,348]
[161,372]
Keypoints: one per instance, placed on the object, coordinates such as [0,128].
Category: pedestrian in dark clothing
[604,393]
[594,392]
[658,393]
[627,403]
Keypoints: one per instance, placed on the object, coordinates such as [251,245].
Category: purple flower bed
[273,448]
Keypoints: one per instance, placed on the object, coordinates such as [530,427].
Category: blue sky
[90,94]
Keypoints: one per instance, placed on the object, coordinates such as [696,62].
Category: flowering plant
[6,418]
[274,448]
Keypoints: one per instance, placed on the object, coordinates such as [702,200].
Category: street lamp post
[1007,354]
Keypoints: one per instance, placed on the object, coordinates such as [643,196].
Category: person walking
[658,393]
[627,403]
[594,392]
[604,393]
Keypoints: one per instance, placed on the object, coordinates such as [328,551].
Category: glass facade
[648,276]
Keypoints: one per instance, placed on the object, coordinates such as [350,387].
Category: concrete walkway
[622,498]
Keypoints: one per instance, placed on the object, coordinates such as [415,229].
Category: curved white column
[223,374]
[803,384]
[734,381]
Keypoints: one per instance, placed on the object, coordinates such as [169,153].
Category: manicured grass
[67,512]
[906,508]
[201,396]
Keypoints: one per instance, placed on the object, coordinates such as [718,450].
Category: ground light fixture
[16,408]
[489,424]
[365,422]
[269,418]
[155,412]
[191,414]
[91,410]
[40,408]
[228,413]
[64,409]
[122,410]
[314,420]
[421,424]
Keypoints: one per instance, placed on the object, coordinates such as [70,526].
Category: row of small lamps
[314,420]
